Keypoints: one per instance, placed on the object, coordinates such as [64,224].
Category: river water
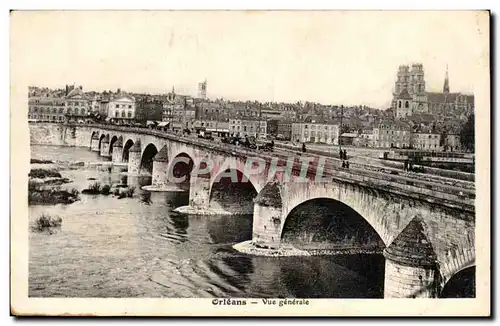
[139,247]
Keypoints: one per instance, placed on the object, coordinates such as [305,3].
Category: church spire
[446,87]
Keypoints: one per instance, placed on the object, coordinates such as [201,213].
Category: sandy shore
[163,188]
[249,247]
[205,211]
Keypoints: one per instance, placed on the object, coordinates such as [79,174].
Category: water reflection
[219,225]
[317,277]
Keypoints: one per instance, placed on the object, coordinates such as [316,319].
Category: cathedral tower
[417,81]
[446,86]
[403,79]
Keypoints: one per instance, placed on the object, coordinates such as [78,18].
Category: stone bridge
[425,231]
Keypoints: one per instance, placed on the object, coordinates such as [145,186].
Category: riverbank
[43,193]
[44,186]
[208,211]
[164,188]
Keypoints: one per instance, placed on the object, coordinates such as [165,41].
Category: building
[77,104]
[46,107]
[269,113]
[104,106]
[211,110]
[247,126]
[246,109]
[285,129]
[312,132]
[348,138]
[253,127]
[426,140]
[452,142]
[272,127]
[262,131]
[179,111]
[148,109]
[94,103]
[410,90]
[202,89]
[288,112]
[217,128]
[365,138]
[403,104]
[235,126]
[121,108]
[391,134]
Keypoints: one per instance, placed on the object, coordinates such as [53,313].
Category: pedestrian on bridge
[347,164]
[341,155]
[343,163]
[345,154]
[303,147]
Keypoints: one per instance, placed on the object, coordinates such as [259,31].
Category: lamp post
[340,131]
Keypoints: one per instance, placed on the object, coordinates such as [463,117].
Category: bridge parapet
[423,189]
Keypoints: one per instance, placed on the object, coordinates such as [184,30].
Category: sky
[331,57]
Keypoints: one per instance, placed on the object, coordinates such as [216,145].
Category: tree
[467,137]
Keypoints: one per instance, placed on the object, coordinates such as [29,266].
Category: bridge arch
[331,224]
[181,168]
[372,207]
[126,147]
[461,285]
[231,190]
[459,260]
[148,154]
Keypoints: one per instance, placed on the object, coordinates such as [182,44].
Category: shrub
[37,161]
[74,192]
[95,187]
[130,191]
[33,186]
[122,193]
[44,173]
[37,195]
[105,189]
[45,222]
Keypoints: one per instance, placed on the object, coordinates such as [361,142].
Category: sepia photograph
[250,163]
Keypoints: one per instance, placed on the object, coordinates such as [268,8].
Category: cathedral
[411,98]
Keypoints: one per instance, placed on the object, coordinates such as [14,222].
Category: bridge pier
[199,191]
[116,157]
[134,158]
[268,207]
[160,168]
[94,143]
[411,269]
[105,147]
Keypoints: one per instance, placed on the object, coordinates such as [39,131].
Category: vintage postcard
[250,163]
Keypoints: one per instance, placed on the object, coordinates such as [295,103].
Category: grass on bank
[46,222]
[44,173]
[40,195]
[37,161]
[96,188]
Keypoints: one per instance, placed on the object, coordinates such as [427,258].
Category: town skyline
[181,52]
